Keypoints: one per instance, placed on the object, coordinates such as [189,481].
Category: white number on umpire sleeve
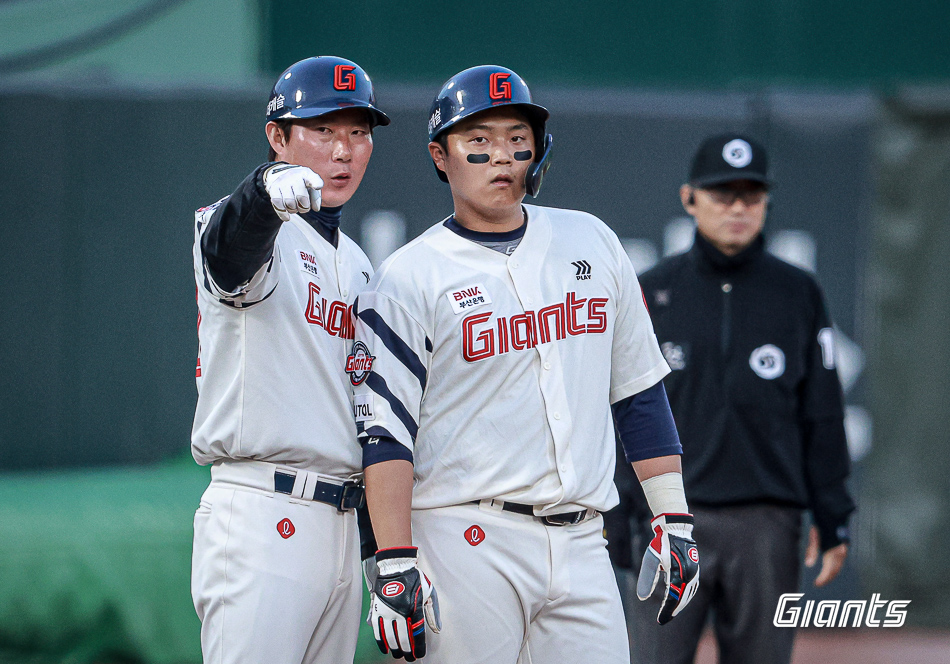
[826,339]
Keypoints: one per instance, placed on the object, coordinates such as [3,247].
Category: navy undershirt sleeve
[241,234]
[377,449]
[645,425]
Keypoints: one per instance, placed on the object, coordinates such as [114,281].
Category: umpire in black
[758,405]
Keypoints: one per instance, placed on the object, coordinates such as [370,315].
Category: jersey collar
[326,221]
[711,258]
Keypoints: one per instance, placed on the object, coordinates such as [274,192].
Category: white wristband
[665,494]
[395,565]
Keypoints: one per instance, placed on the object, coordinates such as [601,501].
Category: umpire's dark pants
[749,556]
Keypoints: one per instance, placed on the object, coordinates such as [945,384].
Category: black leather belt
[346,496]
[563,519]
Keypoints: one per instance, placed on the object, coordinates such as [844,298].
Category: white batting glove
[370,574]
[405,605]
[292,189]
[673,553]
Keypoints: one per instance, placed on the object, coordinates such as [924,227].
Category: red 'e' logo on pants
[475,535]
[286,528]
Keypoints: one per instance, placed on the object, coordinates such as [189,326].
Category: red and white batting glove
[404,604]
[292,189]
[673,553]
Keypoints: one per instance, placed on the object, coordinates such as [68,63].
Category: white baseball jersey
[498,371]
[271,373]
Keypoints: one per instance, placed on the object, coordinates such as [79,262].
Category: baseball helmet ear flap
[537,170]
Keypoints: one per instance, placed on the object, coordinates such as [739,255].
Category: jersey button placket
[340,275]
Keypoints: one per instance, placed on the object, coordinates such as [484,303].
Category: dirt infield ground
[857,646]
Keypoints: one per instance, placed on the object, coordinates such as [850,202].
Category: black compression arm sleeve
[241,234]
[645,425]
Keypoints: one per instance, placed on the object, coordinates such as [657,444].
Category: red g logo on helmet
[392,589]
[344,78]
[498,85]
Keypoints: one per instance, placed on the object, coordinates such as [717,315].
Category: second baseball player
[495,345]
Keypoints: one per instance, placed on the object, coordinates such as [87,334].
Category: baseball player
[495,344]
[275,569]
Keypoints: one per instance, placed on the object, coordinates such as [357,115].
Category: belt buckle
[574,520]
[351,489]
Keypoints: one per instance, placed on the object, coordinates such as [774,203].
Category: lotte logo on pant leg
[286,528]
[475,535]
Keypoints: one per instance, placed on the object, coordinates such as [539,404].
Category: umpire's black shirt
[754,391]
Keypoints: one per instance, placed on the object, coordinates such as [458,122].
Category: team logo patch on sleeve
[363,408]
[359,363]
[466,299]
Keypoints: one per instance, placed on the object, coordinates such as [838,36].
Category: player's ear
[438,155]
[688,198]
[276,137]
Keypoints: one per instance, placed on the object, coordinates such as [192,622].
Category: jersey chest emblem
[483,337]
[466,299]
[334,316]
[768,361]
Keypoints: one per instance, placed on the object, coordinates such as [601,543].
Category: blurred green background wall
[714,43]
[118,119]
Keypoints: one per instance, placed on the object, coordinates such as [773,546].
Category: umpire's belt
[563,519]
[305,484]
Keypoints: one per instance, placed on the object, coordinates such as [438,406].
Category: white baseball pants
[512,589]
[274,579]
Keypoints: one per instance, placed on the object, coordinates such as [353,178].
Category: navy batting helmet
[320,85]
[485,87]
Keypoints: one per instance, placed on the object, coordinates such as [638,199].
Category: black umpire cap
[729,157]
